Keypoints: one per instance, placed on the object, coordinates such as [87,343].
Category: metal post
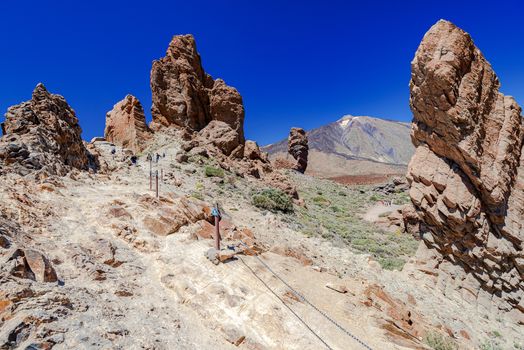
[216,213]
[156,176]
[217,233]
[150,175]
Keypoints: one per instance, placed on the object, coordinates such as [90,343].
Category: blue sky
[296,63]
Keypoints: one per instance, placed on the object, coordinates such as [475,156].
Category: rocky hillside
[103,247]
[354,146]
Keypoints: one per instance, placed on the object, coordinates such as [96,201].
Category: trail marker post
[150,174]
[156,176]
[216,213]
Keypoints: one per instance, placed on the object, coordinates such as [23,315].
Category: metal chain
[302,298]
[286,305]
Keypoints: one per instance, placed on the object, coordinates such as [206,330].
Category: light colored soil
[373,213]
[165,294]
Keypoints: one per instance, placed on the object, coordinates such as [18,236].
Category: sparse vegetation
[273,200]
[438,341]
[490,345]
[213,172]
[333,211]
[197,195]
[321,200]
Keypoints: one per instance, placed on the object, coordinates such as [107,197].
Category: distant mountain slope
[355,146]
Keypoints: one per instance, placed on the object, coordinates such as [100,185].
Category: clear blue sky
[296,63]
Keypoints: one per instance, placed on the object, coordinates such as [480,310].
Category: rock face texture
[43,134]
[126,125]
[467,174]
[186,96]
[298,148]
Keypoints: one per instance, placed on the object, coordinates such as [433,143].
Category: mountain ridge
[377,145]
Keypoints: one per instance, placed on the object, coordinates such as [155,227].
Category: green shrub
[273,200]
[197,195]
[437,341]
[490,345]
[214,172]
[320,200]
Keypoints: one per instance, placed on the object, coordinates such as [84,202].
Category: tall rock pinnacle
[467,174]
[126,125]
[298,148]
[43,134]
[186,96]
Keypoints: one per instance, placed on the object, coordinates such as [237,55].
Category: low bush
[214,172]
[273,200]
[437,341]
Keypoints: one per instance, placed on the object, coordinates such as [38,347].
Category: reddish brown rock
[251,150]
[467,174]
[298,148]
[221,135]
[186,96]
[126,125]
[33,265]
[43,134]
[171,217]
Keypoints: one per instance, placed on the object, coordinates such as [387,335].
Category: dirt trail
[373,213]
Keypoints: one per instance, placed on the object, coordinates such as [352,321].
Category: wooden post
[156,176]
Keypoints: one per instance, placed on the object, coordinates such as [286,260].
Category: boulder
[251,150]
[221,135]
[467,174]
[43,134]
[185,95]
[298,148]
[126,125]
[169,218]
[30,264]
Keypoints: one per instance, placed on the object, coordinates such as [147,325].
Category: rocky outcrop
[43,134]
[467,174]
[221,135]
[126,125]
[298,148]
[186,96]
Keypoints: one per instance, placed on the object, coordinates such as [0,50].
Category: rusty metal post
[156,176]
[150,175]
[216,213]
[217,233]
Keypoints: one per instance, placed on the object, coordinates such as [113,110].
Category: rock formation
[43,134]
[186,96]
[126,125]
[298,148]
[467,174]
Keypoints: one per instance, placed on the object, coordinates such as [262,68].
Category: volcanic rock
[126,125]
[251,150]
[298,148]
[43,134]
[33,265]
[467,174]
[221,135]
[186,96]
